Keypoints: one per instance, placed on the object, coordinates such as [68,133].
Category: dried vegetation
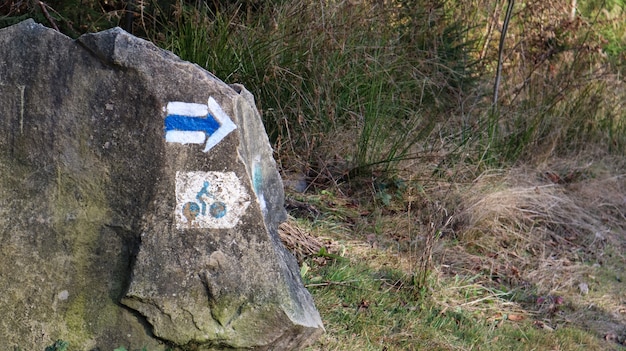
[424,216]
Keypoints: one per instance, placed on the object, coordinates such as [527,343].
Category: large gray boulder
[139,203]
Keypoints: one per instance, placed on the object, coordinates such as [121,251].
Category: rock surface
[139,203]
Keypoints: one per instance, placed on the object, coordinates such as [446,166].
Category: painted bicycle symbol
[209,200]
[192,209]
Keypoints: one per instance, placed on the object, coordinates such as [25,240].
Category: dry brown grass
[297,240]
[512,249]
[539,240]
[527,227]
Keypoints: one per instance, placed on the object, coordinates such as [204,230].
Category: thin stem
[505,26]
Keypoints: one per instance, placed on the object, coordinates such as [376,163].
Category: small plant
[58,345]
[437,221]
[390,189]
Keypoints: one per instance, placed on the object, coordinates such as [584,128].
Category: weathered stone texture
[112,234]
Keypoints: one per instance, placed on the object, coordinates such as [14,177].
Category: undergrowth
[521,259]
[437,219]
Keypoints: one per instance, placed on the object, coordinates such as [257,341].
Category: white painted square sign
[209,200]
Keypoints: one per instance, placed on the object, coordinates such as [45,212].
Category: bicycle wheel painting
[209,200]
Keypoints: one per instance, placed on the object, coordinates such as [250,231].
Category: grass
[346,77]
[508,271]
[375,309]
[428,218]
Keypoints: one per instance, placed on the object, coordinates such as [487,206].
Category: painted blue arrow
[191,123]
[226,125]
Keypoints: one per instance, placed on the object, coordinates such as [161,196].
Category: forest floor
[526,258]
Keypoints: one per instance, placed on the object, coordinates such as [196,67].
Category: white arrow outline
[190,109]
[186,109]
[226,125]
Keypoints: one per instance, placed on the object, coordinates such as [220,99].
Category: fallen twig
[48,17]
[329,283]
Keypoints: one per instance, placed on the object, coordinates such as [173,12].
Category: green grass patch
[368,308]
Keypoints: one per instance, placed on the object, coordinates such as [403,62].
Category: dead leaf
[541,300]
[515,272]
[497,316]
[558,300]
[516,317]
[553,177]
[363,305]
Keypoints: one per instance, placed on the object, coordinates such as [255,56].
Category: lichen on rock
[107,141]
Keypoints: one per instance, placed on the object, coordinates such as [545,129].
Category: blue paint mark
[257,178]
[218,209]
[257,183]
[202,192]
[191,124]
[192,209]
